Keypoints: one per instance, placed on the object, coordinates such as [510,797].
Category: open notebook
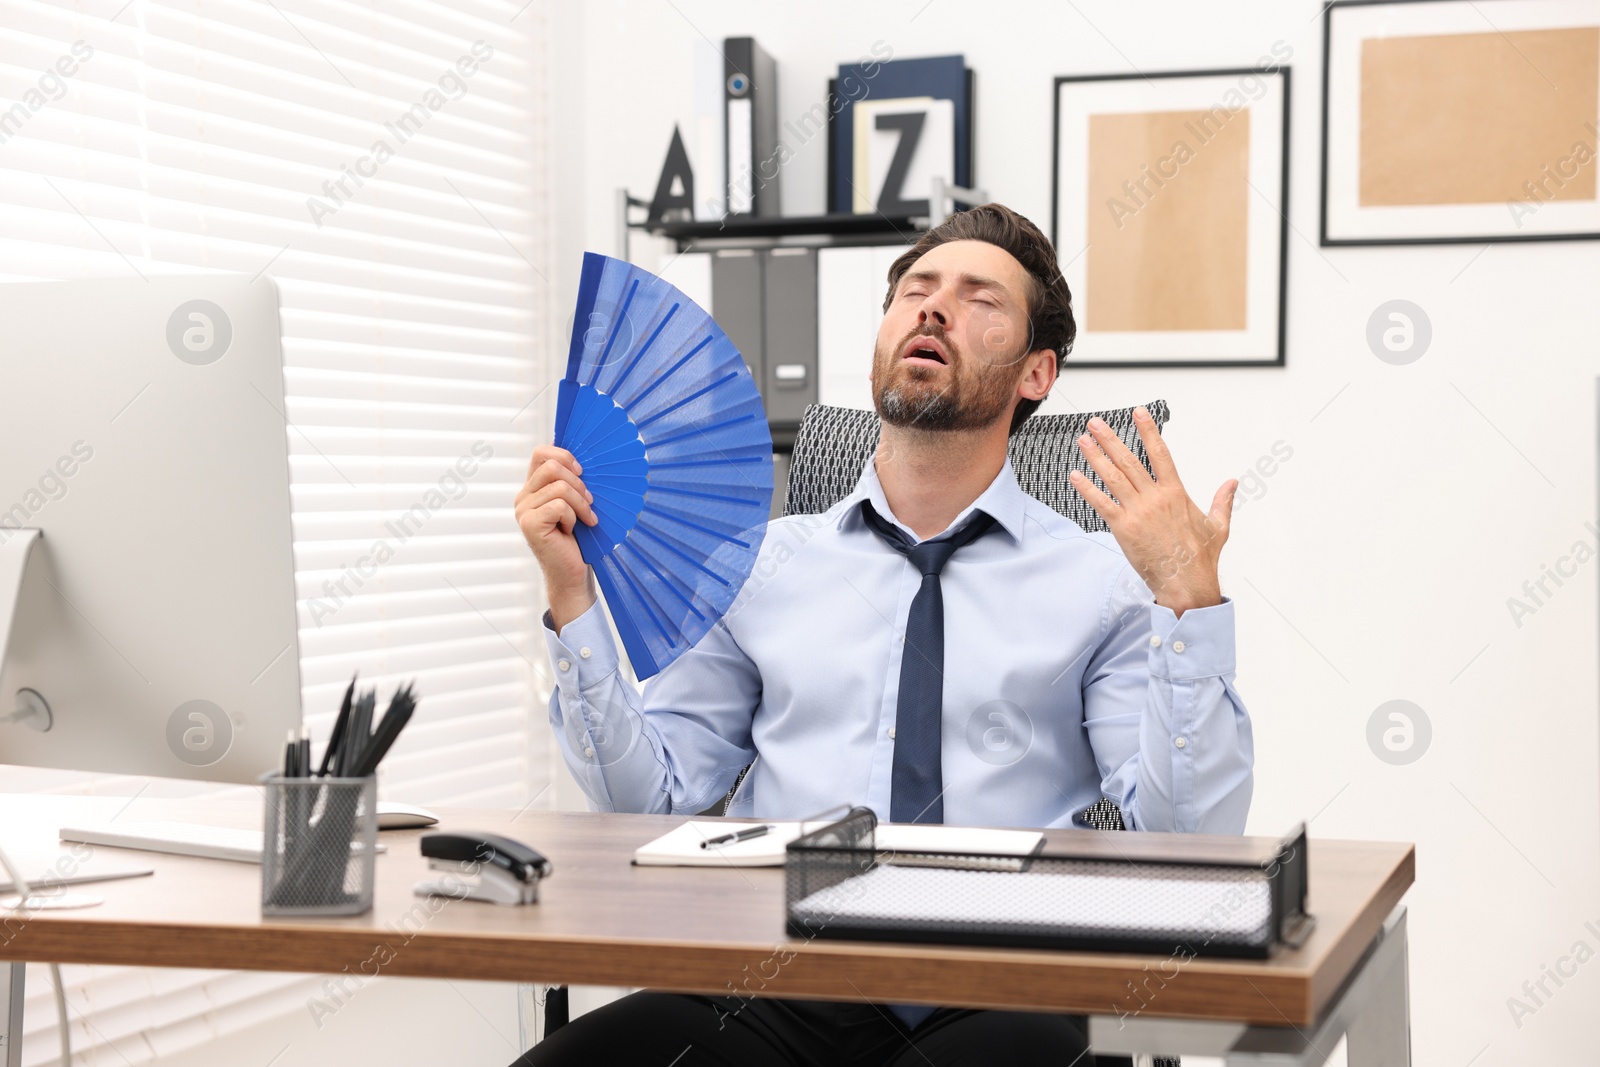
[681,847]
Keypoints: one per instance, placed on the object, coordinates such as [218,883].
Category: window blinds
[383,160]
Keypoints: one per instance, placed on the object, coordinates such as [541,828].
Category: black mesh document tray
[839,886]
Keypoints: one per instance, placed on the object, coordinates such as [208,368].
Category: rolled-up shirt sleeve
[1169,730]
[674,747]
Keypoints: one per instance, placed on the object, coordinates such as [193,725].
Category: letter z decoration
[901,145]
[891,196]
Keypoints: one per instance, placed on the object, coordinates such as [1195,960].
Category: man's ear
[1038,375]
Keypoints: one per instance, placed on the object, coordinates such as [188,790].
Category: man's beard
[915,397]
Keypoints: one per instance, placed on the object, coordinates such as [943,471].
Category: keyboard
[176,838]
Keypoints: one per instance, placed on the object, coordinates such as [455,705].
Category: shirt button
[564,664]
[584,652]
[588,753]
[1155,641]
[891,733]
[1181,742]
[1177,646]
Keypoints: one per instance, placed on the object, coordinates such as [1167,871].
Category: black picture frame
[1281,358]
[1323,239]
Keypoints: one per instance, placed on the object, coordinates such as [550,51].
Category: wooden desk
[602,921]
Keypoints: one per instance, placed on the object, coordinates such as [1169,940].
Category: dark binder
[751,163]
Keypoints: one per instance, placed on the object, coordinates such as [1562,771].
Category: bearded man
[936,595]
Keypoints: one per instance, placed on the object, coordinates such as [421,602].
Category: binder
[789,336]
[751,159]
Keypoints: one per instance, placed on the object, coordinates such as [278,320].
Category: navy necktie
[917,787]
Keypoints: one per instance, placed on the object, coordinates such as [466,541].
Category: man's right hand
[548,508]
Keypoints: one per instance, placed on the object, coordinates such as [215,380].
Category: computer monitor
[143,434]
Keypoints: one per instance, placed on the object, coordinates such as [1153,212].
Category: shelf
[835,229]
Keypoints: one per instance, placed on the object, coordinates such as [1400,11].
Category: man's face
[951,347]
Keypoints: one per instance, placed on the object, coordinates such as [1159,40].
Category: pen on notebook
[742,835]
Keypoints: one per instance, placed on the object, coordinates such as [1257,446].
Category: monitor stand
[14,551]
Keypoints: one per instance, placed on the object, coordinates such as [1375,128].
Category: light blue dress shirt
[1063,682]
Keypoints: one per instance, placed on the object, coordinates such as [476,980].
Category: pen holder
[319,845]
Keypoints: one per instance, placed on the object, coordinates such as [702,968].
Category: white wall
[1377,560]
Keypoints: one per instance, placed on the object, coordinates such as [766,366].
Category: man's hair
[1050,321]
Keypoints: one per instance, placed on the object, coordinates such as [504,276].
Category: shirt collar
[1003,499]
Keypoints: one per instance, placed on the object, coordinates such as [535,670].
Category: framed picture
[1170,216]
[1460,121]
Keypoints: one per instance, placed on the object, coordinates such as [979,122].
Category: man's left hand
[1167,538]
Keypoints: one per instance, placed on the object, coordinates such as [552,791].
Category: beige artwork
[1168,220]
[1475,118]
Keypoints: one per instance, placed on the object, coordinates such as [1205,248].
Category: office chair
[830,450]
[833,444]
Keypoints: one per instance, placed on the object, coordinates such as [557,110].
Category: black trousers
[679,1030]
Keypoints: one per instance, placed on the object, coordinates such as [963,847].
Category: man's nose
[931,311]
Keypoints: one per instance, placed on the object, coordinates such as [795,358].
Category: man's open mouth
[924,350]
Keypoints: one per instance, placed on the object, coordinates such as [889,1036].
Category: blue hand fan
[661,411]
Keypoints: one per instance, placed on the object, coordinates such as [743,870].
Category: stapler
[499,869]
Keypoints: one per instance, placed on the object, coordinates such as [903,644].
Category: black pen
[389,727]
[358,733]
[742,835]
[339,726]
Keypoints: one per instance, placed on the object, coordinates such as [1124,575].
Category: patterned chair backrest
[833,445]
[834,442]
